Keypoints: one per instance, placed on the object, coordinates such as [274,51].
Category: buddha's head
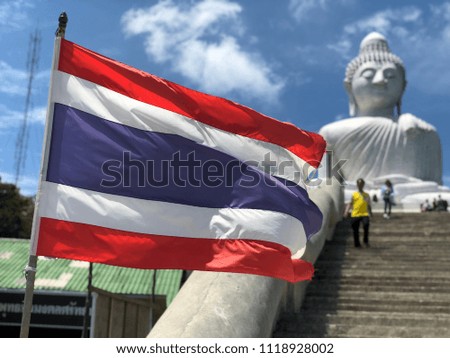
[375,80]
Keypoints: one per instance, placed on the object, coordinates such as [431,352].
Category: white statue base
[409,193]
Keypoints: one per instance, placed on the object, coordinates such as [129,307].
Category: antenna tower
[20,154]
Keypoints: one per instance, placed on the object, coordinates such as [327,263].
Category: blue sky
[284,58]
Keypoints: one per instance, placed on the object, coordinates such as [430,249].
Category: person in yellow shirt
[360,212]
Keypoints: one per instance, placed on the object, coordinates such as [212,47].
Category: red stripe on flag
[91,243]
[214,111]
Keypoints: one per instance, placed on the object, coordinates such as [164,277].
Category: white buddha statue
[378,142]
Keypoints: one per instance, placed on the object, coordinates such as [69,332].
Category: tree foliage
[16,212]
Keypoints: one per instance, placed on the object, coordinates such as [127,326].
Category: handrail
[226,305]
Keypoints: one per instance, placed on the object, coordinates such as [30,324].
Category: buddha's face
[377,88]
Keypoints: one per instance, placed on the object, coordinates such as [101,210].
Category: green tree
[16,212]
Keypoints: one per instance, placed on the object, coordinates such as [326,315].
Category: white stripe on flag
[160,218]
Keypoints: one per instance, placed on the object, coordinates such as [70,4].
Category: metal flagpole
[30,269]
[152,311]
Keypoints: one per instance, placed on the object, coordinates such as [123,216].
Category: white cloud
[300,9]
[13,119]
[168,25]
[201,42]
[385,21]
[238,73]
[342,47]
[400,23]
[13,14]
[12,81]
[442,10]
[303,10]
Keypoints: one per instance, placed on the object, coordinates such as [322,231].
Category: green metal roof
[68,275]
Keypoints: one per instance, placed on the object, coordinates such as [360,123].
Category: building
[125,301]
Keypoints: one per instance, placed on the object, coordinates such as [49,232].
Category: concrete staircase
[398,287]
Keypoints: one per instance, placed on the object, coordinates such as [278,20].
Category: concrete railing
[226,305]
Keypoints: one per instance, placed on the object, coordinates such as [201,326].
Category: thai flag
[142,172]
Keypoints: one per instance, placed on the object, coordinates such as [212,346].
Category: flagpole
[88,303]
[30,269]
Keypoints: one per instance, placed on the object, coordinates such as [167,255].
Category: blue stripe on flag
[95,154]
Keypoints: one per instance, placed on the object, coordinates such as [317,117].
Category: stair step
[398,319]
[380,273]
[391,281]
[372,287]
[330,305]
[391,296]
[399,287]
[363,331]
